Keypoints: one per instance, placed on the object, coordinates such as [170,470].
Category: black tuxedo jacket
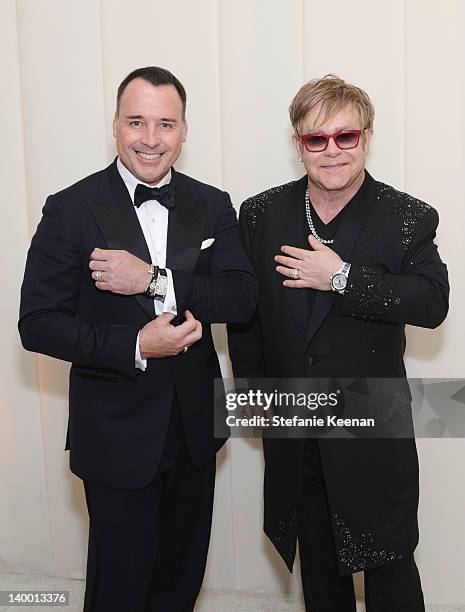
[118,415]
[397,277]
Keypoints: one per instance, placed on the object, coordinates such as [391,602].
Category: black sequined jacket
[396,278]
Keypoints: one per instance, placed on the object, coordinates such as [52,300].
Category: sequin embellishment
[405,210]
[358,553]
[285,538]
[401,402]
[255,206]
[374,294]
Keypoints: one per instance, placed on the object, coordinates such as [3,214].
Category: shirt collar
[131,181]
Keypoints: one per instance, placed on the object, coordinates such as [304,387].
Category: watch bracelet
[150,289]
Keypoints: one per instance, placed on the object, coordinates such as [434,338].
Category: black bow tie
[164,195]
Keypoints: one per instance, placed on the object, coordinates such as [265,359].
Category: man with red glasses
[344,262]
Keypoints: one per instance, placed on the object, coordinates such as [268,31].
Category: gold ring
[98,275]
[296,273]
[184,350]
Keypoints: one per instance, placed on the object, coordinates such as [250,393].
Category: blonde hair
[332,94]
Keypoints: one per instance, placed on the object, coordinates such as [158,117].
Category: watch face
[339,282]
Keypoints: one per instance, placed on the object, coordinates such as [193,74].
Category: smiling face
[149,129]
[334,170]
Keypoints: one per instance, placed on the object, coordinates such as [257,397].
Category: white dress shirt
[153,219]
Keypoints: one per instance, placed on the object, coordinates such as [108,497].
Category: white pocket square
[206,243]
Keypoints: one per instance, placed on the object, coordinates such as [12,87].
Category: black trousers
[394,587]
[148,547]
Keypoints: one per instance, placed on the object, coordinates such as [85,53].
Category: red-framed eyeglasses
[318,141]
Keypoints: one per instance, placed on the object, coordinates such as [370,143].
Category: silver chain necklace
[311,225]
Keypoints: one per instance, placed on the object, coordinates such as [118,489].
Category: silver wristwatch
[339,278]
[158,286]
[150,289]
[161,285]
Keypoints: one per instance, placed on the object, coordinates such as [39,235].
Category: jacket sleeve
[418,295]
[229,293]
[50,294]
[244,340]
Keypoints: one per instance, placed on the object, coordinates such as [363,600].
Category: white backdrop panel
[365,47]
[25,539]
[182,37]
[434,171]
[64,134]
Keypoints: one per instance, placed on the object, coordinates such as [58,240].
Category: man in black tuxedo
[126,272]
[343,263]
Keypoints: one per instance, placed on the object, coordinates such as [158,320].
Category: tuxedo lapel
[292,231]
[344,241]
[116,217]
[186,226]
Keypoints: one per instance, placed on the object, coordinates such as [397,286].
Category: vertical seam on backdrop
[404,95]
[23,136]
[51,539]
[228,450]
[102,80]
[302,41]
[220,91]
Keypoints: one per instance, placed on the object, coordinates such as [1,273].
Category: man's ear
[185,127]
[115,119]
[367,136]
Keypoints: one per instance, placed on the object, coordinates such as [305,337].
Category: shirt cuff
[169,303]
[140,363]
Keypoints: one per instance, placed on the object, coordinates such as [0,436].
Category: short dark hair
[156,76]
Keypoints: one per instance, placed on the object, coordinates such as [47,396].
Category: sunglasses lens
[347,140]
[315,143]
